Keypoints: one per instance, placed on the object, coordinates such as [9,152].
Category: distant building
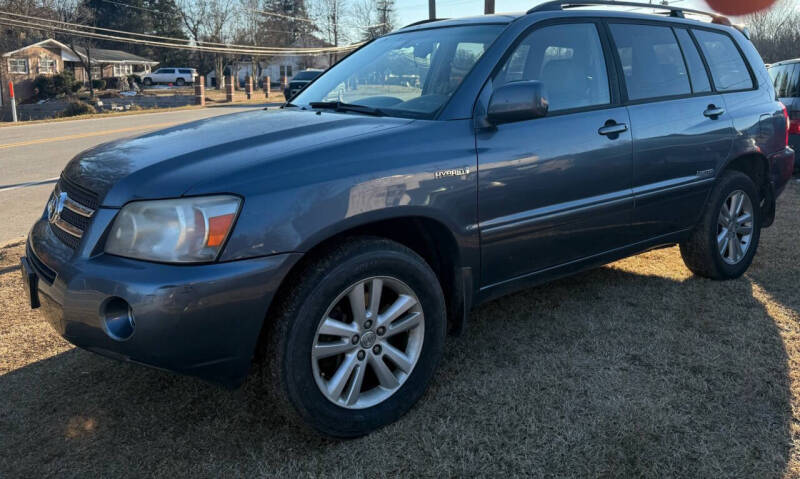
[49,57]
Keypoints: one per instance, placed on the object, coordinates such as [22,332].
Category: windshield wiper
[341,106]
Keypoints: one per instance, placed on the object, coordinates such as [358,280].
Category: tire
[147,82]
[702,254]
[316,293]
[180,82]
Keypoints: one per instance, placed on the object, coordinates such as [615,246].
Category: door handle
[713,112]
[612,128]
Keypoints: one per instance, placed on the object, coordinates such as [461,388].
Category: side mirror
[517,101]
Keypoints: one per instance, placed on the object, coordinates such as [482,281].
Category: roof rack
[677,12]
[422,22]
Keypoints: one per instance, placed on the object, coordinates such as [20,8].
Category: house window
[18,65]
[47,65]
[122,70]
[286,70]
[96,73]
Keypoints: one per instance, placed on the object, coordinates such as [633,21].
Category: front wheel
[723,244]
[359,337]
[148,82]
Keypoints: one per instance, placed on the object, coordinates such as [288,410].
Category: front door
[558,188]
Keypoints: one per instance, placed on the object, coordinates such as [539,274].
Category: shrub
[99,84]
[49,86]
[114,83]
[75,108]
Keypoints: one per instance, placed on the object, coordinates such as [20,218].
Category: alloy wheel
[735,227]
[368,342]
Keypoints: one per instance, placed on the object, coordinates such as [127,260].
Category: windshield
[306,75]
[409,74]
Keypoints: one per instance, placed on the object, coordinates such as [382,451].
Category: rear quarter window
[728,68]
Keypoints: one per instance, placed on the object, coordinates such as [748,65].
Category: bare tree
[218,27]
[374,18]
[331,19]
[776,31]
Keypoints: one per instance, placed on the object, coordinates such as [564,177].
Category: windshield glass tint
[306,76]
[406,74]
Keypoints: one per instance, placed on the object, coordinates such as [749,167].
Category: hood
[167,163]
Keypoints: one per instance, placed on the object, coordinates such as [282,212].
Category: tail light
[788,123]
[794,122]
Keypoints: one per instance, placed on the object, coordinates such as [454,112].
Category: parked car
[175,76]
[786,79]
[299,81]
[339,238]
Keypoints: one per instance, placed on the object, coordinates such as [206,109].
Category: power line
[147,35]
[272,14]
[25,24]
[181,43]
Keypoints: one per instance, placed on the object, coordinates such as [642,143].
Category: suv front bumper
[200,320]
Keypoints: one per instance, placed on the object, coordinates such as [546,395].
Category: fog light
[118,319]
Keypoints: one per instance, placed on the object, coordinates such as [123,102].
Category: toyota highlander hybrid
[339,238]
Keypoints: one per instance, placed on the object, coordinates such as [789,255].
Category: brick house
[49,57]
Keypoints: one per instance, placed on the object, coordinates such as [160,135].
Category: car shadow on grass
[608,373]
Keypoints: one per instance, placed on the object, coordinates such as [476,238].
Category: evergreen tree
[154,17]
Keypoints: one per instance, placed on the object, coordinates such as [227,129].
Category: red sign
[739,7]
[11,90]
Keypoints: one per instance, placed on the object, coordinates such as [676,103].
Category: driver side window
[568,59]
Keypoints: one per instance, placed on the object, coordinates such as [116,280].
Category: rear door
[681,130]
[558,188]
[166,75]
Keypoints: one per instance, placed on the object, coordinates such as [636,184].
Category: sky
[410,11]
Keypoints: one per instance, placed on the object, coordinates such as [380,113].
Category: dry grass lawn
[634,369]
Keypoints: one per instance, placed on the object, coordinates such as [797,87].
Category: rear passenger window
[651,61]
[568,59]
[697,71]
[786,80]
[727,66]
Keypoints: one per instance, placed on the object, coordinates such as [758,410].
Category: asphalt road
[32,156]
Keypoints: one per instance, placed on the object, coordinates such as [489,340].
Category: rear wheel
[359,337]
[723,244]
[180,82]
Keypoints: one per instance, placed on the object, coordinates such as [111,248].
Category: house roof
[48,42]
[98,55]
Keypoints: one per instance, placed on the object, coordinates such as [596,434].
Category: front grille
[79,193]
[70,211]
[41,269]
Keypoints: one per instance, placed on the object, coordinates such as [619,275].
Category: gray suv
[337,240]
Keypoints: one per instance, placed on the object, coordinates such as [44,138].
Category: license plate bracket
[30,282]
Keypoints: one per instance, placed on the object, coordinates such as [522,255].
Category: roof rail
[422,22]
[677,12]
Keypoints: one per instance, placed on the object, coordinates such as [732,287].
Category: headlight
[185,230]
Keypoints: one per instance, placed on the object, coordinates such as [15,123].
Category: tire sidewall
[729,185]
[297,373]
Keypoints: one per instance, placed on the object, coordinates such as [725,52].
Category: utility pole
[432,9]
[488,7]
